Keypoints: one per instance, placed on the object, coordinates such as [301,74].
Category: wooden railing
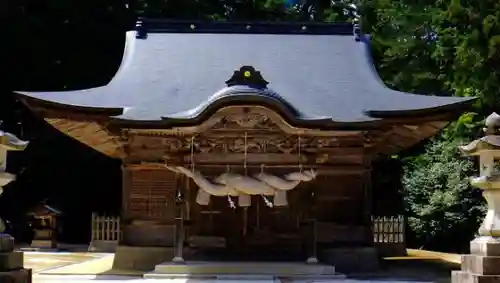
[388,229]
[106,228]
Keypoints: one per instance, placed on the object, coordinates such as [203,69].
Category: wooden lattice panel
[339,199]
[152,195]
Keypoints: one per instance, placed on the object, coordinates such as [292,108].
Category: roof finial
[356,30]
[142,33]
[353,12]
[247,75]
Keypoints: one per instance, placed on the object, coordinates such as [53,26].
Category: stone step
[248,277]
[242,270]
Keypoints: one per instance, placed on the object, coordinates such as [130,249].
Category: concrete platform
[114,279]
[237,270]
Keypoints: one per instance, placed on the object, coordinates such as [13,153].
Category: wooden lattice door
[152,195]
[215,221]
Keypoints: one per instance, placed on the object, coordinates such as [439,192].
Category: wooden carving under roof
[236,134]
[252,119]
[91,131]
[266,137]
[100,133]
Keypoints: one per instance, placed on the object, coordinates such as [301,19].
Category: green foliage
[438,47]
[443,47]
[443,210]
[243,10]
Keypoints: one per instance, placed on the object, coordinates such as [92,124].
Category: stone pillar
[483,264]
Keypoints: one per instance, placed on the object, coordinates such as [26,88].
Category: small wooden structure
[45,226]
[106,233]
[304,100]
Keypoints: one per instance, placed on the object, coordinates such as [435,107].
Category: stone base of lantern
[482,265]
[11,262]
[16,276]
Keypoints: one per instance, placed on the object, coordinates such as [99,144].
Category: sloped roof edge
[456,103]
[367,113]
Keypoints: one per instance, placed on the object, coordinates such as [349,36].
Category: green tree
[444,47]
[443,210]
[247,10]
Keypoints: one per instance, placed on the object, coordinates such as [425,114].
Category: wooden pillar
[124,214]
[368,200]
[310,223]
[179,226]
[179,239]
[312,239]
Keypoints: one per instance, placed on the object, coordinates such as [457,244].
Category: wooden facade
[247,140]
[244,139]
[330,113]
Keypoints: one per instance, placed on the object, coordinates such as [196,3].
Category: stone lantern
[8,142]
[484,261]
[11,262]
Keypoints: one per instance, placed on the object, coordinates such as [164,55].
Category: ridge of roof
[151,25]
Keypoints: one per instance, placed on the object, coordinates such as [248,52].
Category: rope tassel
[266,201]
[299,146]
[246,154]
[192,153]
[231,202]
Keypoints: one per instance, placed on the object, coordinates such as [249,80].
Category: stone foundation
[242,270]
[103,246]
[43,244]
[351,259]
[482,265]
[16,276]
[390,249]
[141,258]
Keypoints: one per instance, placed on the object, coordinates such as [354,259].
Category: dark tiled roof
[53,210]
[44,208]
[172,71]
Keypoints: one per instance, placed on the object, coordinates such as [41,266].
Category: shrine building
[245,138]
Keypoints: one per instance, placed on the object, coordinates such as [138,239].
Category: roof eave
[245,96]
[35,103]
[454,109]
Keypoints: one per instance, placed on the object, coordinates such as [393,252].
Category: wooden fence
[389,229]
[106,228]
[386,229]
